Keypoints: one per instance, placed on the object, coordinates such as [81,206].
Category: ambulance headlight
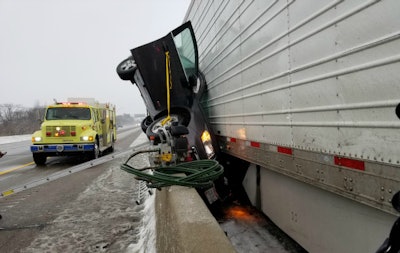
[206,139]
[36,139]
[87,138]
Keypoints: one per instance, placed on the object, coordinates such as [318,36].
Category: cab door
[179,48]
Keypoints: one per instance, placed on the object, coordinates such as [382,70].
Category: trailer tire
[39,159]
[126,69]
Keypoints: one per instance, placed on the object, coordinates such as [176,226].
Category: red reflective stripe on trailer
[232,139]
[285,150]
[255,144]
[349,163]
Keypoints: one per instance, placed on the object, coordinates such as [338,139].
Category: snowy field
[14,138]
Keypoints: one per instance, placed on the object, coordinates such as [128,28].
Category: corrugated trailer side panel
[307,92]
[323,77]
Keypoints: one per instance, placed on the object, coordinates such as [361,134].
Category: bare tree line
[17,120]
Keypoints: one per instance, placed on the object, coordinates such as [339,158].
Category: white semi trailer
[308,92]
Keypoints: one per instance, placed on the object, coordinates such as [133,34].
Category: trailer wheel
[39,159]
[126,68]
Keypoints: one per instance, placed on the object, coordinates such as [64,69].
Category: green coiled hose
[197,174]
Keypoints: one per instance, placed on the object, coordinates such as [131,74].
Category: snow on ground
[88,220]
[104,218]
[108,204]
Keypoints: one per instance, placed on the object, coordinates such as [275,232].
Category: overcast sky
[56,49]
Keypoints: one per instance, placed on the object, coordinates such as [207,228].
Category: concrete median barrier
[184,223]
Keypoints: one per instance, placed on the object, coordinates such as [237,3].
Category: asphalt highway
[92,210]
[92,207]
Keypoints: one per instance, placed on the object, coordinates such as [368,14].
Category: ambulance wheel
[126,69]
[96,151]
[39,159]
[112,144]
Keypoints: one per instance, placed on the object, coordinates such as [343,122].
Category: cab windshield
[187,52]
[68,113]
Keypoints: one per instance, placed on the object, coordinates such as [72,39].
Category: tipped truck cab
[167,76]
